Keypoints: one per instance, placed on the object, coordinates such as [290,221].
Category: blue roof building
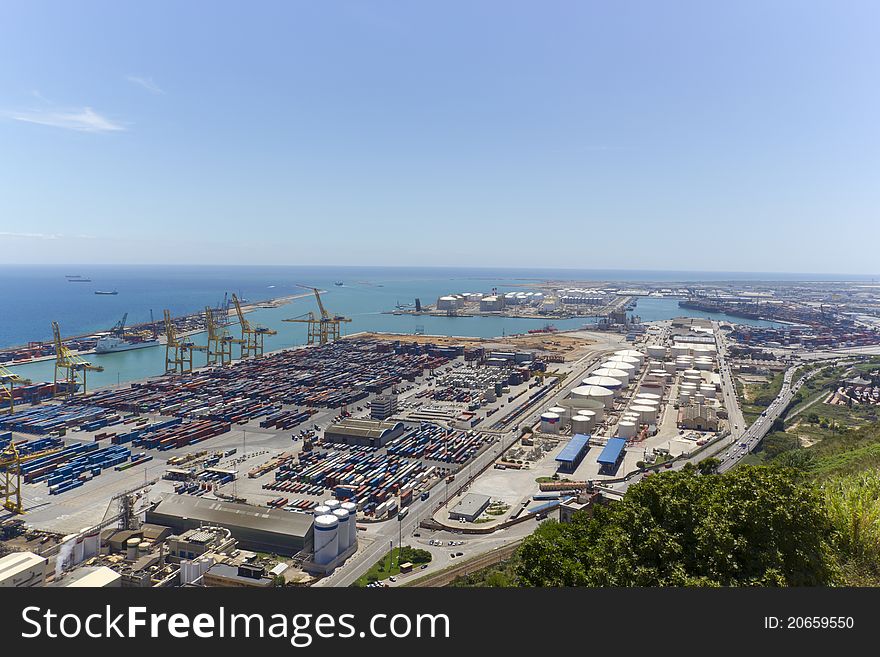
[612,455]
[573,453]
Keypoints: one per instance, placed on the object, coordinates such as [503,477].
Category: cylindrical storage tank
[490,395]
[131,549]
[680,350]
[321,510]
[669,366]
[657,351]
[351,507]
[614,373]
[598,393]
[561,412]
[344,533]
[333,504]
[685,397]
[648,395]
[581,424]
[655,365]
[632,353]
[699,399]
[635,362]
[326,539]
[630,368]
[604,382]
[693,372]
[590,416]
[626,429]
[703,364]
[647,414]
[635,418]
[709,392]
[549,423]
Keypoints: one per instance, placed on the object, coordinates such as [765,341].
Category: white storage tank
[326,539]
[333,504]
[699,399]
[560,411]
[632,353]
[591,417]
[131,549]
[635,362]
[647,414]
[344,531]
[631,416]
[649,395]
[597,393]
[549,423]
[581,424]
[604,382]
[614,373]
[657,351]
[351,507]
[669,366]
[321,510]
[685,397]
[626,429]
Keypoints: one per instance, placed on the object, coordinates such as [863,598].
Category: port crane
[251,336]
[8,380]
[219,340]
[178,350]
[10,474]
[73,367]
[119,328]
[323,329]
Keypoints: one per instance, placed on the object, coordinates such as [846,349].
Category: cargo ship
[338,283]
[79,280]
[106,293]
[112,343]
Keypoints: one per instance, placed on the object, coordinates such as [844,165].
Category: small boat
[338,283]
[105,293]
[79,280]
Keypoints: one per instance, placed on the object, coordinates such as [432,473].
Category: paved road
[386,533]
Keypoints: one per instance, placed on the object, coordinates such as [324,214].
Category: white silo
[624,359]
[632,353]
[648,395]
[631,416]
[326,539]
[626,429]
[590,416]
[549,423]
[560,411]
[604,381]
[614,373]
[344,532]
[657,351]
[581,424]
[333,504]
[321,510]
[647,414]
[595,393]
[131,549]
[630,368]
[351,507]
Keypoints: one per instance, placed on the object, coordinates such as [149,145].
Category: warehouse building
[470,507]
[371,433]
[255,528]
[573,453]
[611,456]
[21,569]
[698,417]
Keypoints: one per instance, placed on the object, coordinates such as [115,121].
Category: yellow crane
[178,350]
[219,340]
[8,380]
[324,329]
[73,367]
[251,336]
[10,474]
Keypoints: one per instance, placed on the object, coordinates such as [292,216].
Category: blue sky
[637,135]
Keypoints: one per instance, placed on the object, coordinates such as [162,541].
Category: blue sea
[33,296]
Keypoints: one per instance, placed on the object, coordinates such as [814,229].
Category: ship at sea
[118,341]
[106,293]
[338,283]
[79,280]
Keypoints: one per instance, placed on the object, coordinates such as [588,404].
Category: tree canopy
[751,526]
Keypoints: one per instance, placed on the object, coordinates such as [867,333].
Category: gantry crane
[178,350]
[119,329]
[324,329]
[251,336]
[219,340]
[10,474]
[73,366]
[8,380]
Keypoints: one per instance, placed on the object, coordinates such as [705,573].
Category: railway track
[446,576]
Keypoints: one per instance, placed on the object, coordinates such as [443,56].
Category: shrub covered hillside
[754,525]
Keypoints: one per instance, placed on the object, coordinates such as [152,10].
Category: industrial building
[91,577]
[699,417]
[255,528]
[383,406]
[573,453]
[611,456]
[363,432]
[22,569]
[470,507]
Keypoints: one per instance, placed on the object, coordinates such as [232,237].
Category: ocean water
[33,296]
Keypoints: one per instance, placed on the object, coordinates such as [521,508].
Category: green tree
[751,526]
[709,466]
